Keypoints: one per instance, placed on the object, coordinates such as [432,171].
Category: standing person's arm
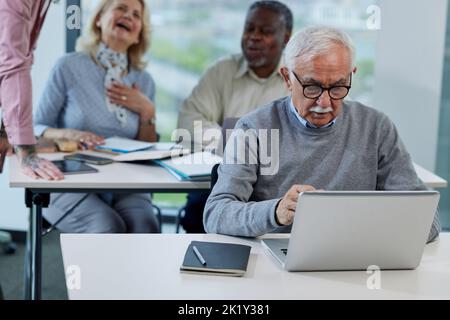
[16,57]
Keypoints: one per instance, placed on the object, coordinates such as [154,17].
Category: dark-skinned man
[237,85]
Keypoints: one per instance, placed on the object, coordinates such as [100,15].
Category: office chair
[228,123]
[214,178]
[180,214]
[214,175]
[158,216]
[8,246]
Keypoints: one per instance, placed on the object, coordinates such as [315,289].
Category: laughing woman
[102,91]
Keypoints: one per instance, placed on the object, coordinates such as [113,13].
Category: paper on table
[183,177]
[192,166]
[124,145]
[149,155]
[160,150]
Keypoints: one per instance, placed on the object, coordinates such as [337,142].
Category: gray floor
[53,282]
[11,271]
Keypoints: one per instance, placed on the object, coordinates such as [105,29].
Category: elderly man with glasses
[317,140]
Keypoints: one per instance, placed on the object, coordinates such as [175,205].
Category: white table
[116,177]
[134,176]
[132,266]
[429,178]
[112,176]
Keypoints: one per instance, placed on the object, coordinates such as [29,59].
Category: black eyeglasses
[314,91]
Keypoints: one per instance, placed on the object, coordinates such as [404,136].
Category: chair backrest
[214,175]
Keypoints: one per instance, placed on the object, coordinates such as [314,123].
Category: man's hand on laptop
[34,166]
[285,211]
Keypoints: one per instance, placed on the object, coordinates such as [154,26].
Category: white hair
[314,41]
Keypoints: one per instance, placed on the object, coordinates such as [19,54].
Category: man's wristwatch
[149,122]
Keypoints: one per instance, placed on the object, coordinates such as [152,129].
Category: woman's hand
[132,99]
[85,139]
[88,140]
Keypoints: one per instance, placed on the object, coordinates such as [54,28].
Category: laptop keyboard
[284,251]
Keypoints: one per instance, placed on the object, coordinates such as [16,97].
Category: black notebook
[216,258]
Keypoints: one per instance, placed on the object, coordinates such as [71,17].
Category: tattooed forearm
[23,150]
[27,155]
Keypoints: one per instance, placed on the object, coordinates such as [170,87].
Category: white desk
[429,178]
[134,176]
[131,266]
[116,177]
[111,176]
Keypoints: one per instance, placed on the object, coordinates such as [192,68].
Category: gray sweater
[361,151]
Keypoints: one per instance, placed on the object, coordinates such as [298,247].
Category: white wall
[408,72]
[51,45]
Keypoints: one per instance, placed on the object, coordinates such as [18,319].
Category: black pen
[199,256]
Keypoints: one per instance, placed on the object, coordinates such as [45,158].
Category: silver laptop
[341,230]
